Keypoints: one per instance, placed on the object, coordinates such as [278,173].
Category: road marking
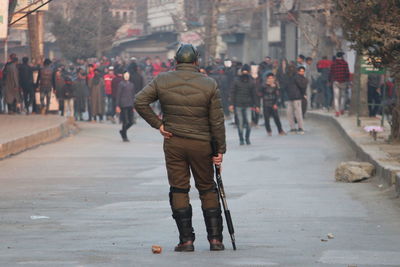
[361,257]
[251,262]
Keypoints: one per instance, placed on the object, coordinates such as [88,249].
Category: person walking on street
[108,77]
[115,85]
[89,77]
[138,81]
[81,94]
[124,101]
[301,61]
[135,77]
[243,99]
[45,83]
[12,94]
[26,82]
[192,117]
[97,94]
[311,75]
[265,68]
[68,98]
[156,66]
[219,76]
[59,84]
[296,91]
[148,70]
[374,93]
[281,78]
[270,94]
[340,76]
[324,68]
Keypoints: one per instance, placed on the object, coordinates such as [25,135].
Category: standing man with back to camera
[193,116]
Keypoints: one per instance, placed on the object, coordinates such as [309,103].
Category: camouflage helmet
[186,53]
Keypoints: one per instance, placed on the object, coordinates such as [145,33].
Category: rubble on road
[353,171]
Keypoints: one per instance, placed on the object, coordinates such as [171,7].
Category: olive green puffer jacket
[190,103]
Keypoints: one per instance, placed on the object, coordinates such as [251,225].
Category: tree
[88,32]
[211,29]
[316,22]
[373,28]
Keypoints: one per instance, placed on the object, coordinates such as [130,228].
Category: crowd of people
[89,89]
[99,89]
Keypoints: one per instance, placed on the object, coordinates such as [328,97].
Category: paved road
[106,203]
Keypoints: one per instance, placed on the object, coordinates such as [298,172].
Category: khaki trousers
[339,94]
[69,107]
[294,111]
[184,156]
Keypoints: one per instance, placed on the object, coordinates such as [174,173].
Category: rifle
[221,194]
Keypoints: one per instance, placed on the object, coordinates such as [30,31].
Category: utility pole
[264,27]
[40,35]
[213,7]
[36,36]
[4,21]
[99,51]
[33,37]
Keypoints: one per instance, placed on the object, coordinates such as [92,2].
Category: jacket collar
[187,67]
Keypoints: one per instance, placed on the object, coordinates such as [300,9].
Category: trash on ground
[330,236]
[377,129]
[35,217]
[156,249]
[373,131]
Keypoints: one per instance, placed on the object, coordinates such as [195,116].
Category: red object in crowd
[108,83]
[106,63]
[90,74]
[340,71]
[324,64]
[156,69]
[390,88]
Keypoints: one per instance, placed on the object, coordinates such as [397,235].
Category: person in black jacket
[220,77]
[137,79]
[68,94]
[124,101]
[270,94]
[81,94]
[27,85]
[296,91]
[243,98]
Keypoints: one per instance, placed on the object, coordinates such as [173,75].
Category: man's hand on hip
[164,133]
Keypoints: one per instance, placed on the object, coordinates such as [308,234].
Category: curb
[39,138]
[389,175]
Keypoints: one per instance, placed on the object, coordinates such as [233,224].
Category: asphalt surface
[92,200]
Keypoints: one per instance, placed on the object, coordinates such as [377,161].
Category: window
[273,20]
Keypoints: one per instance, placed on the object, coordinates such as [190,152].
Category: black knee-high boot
[213,220]
[183,219]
